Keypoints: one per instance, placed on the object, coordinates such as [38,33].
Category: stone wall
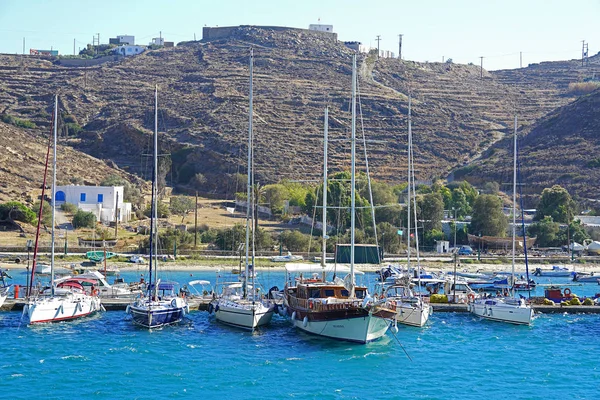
[223,32]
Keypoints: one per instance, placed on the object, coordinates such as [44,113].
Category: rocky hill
[562,148]
[459,112]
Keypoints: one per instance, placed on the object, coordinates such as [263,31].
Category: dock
[113,304]
[202,305]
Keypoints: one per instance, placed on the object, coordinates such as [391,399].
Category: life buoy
[310,304]
[567,292]
[95,292]
[471,297]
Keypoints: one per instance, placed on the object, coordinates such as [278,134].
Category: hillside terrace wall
[223,32]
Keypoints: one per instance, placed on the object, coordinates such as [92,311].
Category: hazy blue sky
[463,30]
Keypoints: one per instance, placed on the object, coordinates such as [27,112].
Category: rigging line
[313,222]
[398,340]
[362,128]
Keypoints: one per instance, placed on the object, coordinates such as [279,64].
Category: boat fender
[305,321]
[128,309]
[216,308]
[490,311]
[484,310]
[104,309]
[469,307]
[395,328]
[211,308]
[294,316]
[283,311]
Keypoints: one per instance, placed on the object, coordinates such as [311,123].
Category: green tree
[432,236]
[296,241]
[389,239]
[460,203]
[17,212]
[275,196]
[131,193]
[46,212]
[84,219]
[545,231]
[182,205]
[487,216]
[230,238]
[432,211]
[162,210]
[557,203]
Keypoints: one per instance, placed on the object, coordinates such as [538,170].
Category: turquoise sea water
[456,356]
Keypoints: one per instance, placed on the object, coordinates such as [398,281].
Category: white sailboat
[509,309]
[408,308]
[240,304]
[339,310]
[161,306]
[65,300]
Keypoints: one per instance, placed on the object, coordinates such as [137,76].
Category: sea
[455,356]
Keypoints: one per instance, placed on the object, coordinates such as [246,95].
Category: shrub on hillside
[581,88]
[17,211]
[84,219]
[69,208]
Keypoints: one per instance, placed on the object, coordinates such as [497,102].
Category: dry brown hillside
[203,106]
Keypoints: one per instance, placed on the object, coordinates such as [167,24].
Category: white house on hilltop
[129,50]
[103,201]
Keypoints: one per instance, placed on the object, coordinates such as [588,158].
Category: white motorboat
[106,290]
[289,257]
[591,278]
[509,309]
[556,271]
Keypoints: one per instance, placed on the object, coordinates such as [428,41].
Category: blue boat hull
[156,316]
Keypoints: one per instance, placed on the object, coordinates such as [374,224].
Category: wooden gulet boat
[340,309]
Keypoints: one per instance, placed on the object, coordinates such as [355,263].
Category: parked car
[465,251]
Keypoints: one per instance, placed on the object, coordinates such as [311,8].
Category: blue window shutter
[100,198]
[82,197]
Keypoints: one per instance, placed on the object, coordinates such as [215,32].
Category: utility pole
[584,52]
[194,36]
[117,217]
[400,46]
[378,40]
[196,223]
[23,46]
[481,67]
[73,46]
[520,59]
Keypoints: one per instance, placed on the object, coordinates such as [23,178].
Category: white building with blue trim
[103,201]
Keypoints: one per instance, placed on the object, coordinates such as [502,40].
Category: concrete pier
[202,305]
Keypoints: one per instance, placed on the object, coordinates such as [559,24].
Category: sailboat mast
[153,226]
[409,197]
[353,176]
[414,199]
[53,193]
[249,203]
[514,210]
[324,234]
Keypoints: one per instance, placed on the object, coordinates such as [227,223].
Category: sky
[501,31]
